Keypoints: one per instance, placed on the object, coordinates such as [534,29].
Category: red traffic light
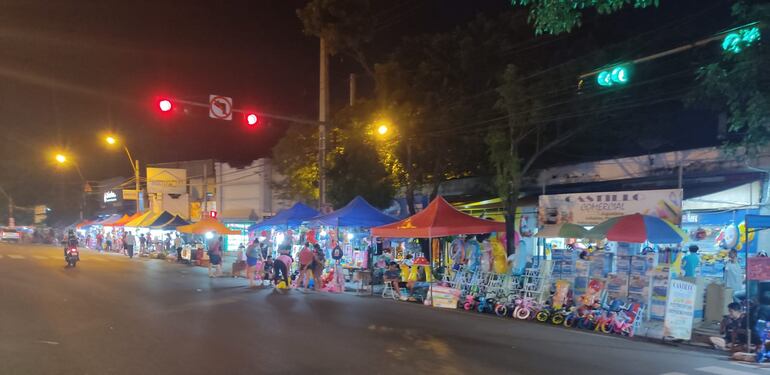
[165,105]
[252,119]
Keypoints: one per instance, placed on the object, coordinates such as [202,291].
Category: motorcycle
[72,256]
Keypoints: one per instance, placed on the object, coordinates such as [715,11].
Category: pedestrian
[108,242]
[734,276]
[319,263]
[149,242]
[252,256]
[733,328]
[178,243]
[215,257]
[130,242]
[142,242]
[99,240]
[306,258]
[690,262]
[167,243]
[267,268]
[281,267]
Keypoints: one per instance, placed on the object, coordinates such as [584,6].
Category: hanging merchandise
[728,237]
[486,256]
[435,249]
[742,236]
[560,296]
[474,254]
[499,263]
[457,253]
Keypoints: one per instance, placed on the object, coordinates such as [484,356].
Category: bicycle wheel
[557,319]
[521,313]
[501,310]
[542,316]
[570,321]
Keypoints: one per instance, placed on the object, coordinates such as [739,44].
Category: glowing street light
[61,159]
[382,129]
[110,140]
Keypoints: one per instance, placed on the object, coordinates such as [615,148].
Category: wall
[246,192]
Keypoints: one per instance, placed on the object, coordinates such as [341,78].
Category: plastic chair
[388,292]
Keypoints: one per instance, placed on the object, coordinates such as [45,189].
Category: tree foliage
[739,83]
[562,16]
[295,157]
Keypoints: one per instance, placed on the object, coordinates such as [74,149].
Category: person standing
[215,257]
[130,242]
[734,275]
[99,240]
[142,242]
[149,242]
[252,257]
[178,247]
[108,242]
[319,262]
[690,262]
[306,258]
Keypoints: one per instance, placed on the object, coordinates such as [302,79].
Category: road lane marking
[98,259]
[15,256]
[722,371]
[39,257]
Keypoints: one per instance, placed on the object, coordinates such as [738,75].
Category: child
[733,327]
[268,268]
[393,276]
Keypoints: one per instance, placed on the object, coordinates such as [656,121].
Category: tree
[346,25]
[295,158]
[739,84]
[556,17]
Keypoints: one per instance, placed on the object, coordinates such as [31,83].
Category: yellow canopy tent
[207,225]
[135,223]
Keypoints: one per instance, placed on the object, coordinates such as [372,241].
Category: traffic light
[617,75]
[165,105]
[736,41]
[252,119]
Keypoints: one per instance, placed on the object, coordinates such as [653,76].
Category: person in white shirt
[734,275]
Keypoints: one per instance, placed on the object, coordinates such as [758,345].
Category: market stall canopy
[83,224]
[107,220]
[138,220]
[207,225]
[163,218]
[172,224]
[357,213]
[290,217]
[564,230]
[439,219]
[117,222]
[637,228]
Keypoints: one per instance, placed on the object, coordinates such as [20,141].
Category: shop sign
[130,195]
[758,268]
[680,307]
[594,208]
[110,196]
[166,181]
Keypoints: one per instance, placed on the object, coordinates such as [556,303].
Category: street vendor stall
[439,219]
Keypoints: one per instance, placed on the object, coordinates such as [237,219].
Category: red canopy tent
[439,219]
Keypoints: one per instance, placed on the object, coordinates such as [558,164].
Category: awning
[172,224]
[439,219]
[290,217]
[207,225]
[135,223]
[357,213]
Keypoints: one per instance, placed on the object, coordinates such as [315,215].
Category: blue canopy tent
[177,221]
[357,213]
[163,218]
[290,217]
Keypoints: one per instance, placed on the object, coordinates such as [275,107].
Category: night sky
[72,70]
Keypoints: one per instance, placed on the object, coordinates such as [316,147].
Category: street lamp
[63,159]
[112,140]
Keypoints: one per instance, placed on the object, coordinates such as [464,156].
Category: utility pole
[352,89]
[205,210]
[137,186]
[11,221]
[323,111]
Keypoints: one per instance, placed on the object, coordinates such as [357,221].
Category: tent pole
[748,290]
[430,285]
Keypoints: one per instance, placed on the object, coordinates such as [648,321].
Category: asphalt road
[112,315]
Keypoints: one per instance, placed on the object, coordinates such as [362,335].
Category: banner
[680,307]
[166,181]
[758,268]
[594,208]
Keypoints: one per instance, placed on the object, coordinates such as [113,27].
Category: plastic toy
[499,263]
[763,331]
[470,302]
[524,308]
[560,296]
[457,253]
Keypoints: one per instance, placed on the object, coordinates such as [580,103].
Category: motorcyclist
[72,240]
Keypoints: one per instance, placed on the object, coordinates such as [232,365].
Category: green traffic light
[736,41]
[618,75]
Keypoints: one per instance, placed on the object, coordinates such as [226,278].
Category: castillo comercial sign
[594,208]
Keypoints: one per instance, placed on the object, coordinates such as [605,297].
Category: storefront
[232,242]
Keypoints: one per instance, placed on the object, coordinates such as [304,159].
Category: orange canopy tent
[439,219]
[205,226]
[120,222]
